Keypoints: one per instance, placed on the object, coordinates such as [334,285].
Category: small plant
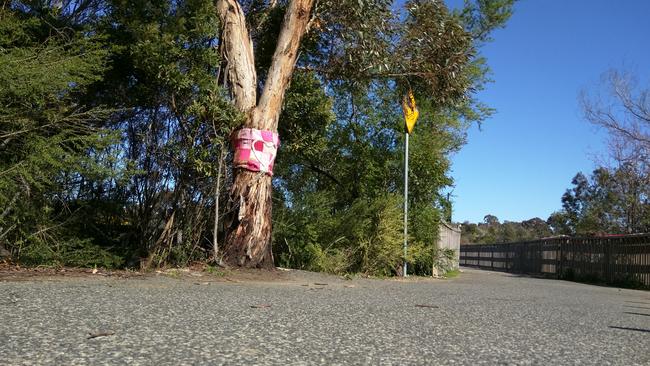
[215,271]
[453,273]
[174,273]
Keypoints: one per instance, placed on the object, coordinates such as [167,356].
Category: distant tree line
[492,231]
[610,201]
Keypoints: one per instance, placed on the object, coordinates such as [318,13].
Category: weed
[453,273]
[214,270]
[174,273]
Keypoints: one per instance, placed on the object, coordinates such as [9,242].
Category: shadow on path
[627,312]
[635,329]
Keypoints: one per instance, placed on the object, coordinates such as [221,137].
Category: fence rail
[608,259]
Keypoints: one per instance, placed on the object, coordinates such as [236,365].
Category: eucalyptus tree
[610,201]
[423,46]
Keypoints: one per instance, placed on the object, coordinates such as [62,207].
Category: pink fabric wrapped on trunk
[255,150]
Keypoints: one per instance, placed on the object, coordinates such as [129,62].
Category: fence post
[607,248]
[558,259]
[492,257]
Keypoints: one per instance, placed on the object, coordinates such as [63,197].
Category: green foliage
[49,136]
[365,238]
[611,201]
[378,234]
[174,125]
[334,171]
[339,172]
[452,274]
[70,253]
[215,271]
[110,124]
[483,16]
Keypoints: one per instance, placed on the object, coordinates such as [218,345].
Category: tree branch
[237,49]
[318,170]
[293,28]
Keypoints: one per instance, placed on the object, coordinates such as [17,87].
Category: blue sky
[521,162]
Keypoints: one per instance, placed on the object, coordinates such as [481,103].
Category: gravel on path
[300,318]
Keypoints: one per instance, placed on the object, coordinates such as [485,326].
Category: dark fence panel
[620,259]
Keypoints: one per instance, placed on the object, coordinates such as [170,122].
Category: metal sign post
[410,116]
[406,198]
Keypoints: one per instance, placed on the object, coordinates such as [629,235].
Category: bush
[375,228]
[72,253]
[365,238]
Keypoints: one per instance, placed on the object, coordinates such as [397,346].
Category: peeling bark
[237,50]
[248,242]
[282,65]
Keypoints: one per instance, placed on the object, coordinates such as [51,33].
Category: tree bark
[284,59]
[248,237]
[237,52]
[248,241]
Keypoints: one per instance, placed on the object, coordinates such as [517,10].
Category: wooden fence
[620,259]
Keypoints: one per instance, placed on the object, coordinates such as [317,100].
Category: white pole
[406,198]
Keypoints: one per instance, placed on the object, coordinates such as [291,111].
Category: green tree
[174,124]
[611,201]
[49,134]
[560,223]
[354,161]
[536,228]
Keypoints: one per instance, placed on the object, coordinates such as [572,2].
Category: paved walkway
[302,318]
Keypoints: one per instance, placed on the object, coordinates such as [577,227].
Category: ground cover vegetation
[116,117]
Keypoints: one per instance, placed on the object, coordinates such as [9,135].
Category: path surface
[478,318]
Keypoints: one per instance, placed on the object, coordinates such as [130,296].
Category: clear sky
[521,162]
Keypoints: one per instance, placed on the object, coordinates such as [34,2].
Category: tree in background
[624,112]
[611,201]
[615,199]
[492,231]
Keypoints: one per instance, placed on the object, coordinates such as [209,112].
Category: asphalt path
[300,318]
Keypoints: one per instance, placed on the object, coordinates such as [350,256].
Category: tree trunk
[248,236]
[248,240]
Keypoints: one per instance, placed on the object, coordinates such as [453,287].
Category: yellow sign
[410,111]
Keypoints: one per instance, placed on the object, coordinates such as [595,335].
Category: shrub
[367,237]
[72,253]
